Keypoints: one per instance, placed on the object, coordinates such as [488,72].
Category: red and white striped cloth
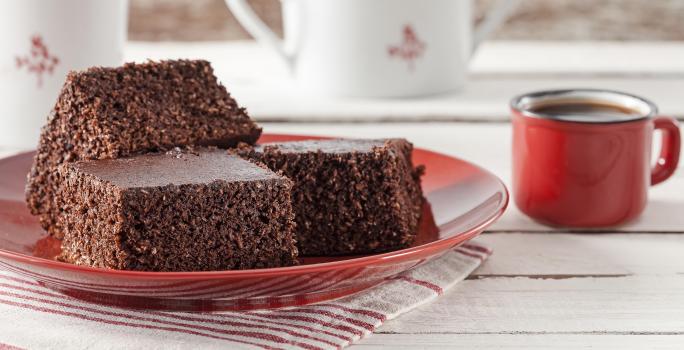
[34,317]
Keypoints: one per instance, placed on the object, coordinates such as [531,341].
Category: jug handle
[494,18]
[258,29]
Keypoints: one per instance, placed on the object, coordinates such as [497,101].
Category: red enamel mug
[582,158]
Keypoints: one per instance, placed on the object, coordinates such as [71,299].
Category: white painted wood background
[620,288]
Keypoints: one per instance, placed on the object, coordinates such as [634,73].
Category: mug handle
[257,28]
[669,150]
[494,18]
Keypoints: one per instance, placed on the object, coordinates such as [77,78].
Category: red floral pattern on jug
[39,61]
[410,49]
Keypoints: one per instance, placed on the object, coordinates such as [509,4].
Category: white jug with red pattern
[375,48]
[40,41]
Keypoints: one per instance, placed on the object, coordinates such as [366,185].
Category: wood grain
[520,341]
[561,255]
[191,20]
[581,305]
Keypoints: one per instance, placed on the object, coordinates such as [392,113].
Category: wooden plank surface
[545,289]
[520,341]
[189,20]
[561,255]
[509,305]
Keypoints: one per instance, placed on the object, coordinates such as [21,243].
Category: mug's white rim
[522,104]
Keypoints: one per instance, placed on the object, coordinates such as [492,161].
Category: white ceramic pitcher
[42,40]
[375,48]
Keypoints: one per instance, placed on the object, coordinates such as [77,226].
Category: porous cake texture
[176,211]
[108,113]
[349,196]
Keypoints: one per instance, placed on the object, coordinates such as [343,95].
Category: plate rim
[387,257]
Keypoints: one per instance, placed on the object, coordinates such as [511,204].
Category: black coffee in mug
[585,106]
[597,109]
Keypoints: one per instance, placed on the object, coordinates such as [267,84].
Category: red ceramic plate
[463,199]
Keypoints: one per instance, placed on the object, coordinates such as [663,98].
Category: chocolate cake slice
[107,113]
[176,211]
[349,196]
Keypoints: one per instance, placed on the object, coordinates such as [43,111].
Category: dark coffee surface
[589,110]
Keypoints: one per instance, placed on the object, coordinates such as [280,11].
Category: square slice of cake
[107,113]
[176,211]
[349,196]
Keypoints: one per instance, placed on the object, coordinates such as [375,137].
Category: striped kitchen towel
[34,317]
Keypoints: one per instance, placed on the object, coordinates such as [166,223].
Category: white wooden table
[542,288]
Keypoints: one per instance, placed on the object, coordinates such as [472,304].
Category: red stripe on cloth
[246,334]
[4,346]
[128,324]
[201,319]
[352,321]
[192,318]
[477,248]
[293,325]
[470,254]
[364,325]
[171,315]
[242,324]
[19,280]
[437,289]
[340,327]
[369,313]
